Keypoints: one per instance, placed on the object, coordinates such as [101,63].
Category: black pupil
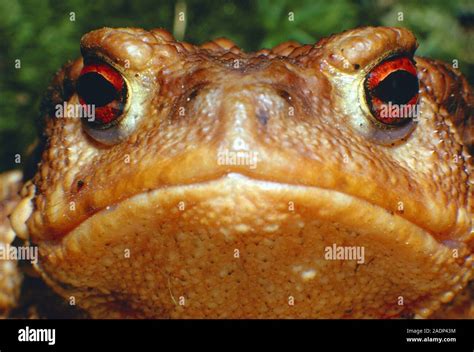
[398,87]
[95,89]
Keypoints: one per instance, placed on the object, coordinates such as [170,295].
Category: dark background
[42,36]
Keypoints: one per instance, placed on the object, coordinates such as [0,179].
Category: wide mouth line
[238,176]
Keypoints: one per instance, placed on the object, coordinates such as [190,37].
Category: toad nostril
[285,95]
[262,116]
[193,94]
[194,91]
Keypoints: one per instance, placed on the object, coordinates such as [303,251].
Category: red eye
[103,87]
[391,91]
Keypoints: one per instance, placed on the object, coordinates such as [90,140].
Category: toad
[330,180]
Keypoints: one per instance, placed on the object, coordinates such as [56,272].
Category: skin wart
[151,217]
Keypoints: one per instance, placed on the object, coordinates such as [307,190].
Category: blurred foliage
[42,36]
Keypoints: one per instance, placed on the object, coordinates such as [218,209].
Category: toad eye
[391,91]
[103,87]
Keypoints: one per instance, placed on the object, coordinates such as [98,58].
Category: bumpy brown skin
[155,226]
[10,276]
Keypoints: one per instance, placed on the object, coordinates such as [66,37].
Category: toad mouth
[238,182]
